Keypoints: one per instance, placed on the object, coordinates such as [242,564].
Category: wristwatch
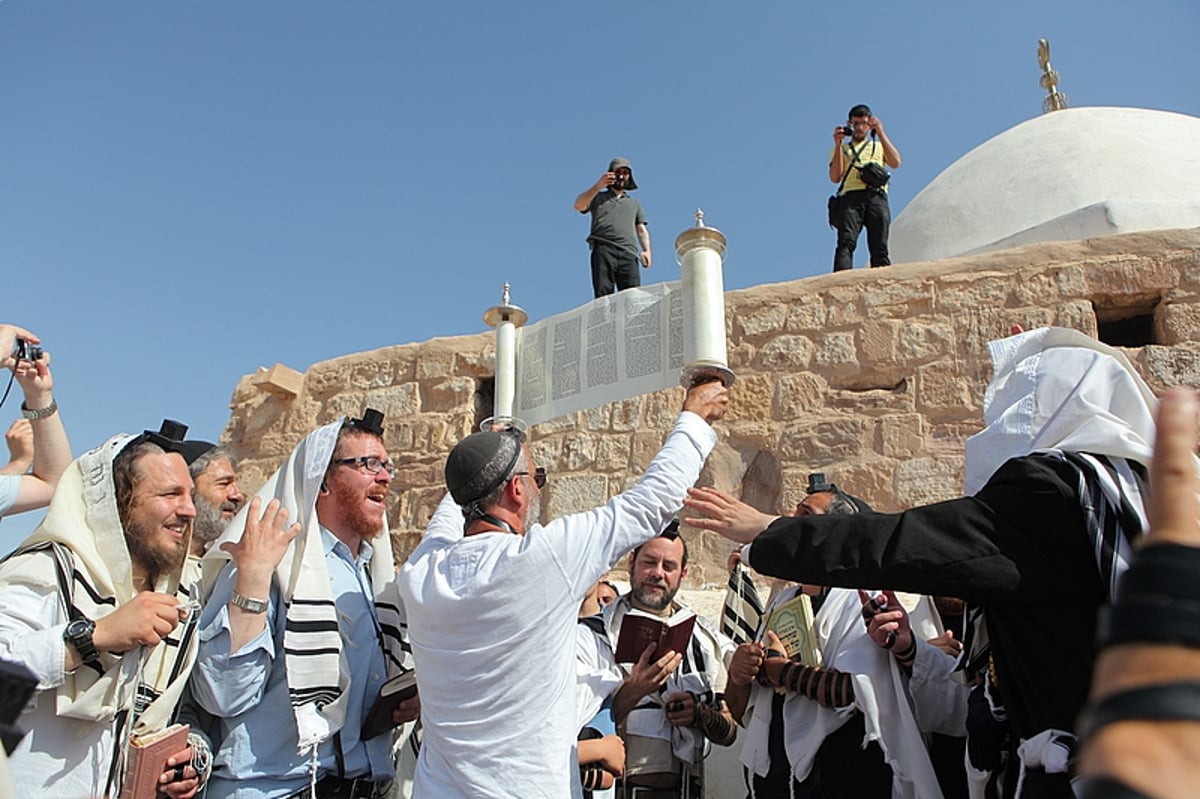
[79,635]
[33,414]
[248,604]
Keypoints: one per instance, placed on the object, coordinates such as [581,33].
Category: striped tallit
[79,552]
[743,607]
[316,672]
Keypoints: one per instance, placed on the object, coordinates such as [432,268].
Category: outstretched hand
[721,513]
[264,541]
[886,620]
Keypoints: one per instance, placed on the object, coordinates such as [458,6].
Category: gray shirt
[615,218]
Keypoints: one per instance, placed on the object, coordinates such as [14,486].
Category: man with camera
[30,364]
[857,166]
[618,229]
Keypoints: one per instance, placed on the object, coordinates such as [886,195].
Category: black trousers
[614,269]
[858,208]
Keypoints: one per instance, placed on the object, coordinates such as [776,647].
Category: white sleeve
[939,701]
[587,544]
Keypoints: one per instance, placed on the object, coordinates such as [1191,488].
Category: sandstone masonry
[874,377]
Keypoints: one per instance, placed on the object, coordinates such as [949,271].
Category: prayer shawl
[82,535]
[880,694]
[702,672]
[317,675]
[1064,394]
[743,608]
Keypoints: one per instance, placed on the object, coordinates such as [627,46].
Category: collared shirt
[615,218]
[871,151]
[257,757]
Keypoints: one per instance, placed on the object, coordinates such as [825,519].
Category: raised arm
[585,197]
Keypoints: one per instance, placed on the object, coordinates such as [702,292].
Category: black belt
[332,787]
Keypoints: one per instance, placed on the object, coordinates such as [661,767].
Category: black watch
[79,635]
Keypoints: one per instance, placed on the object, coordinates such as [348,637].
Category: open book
[148,760]
[391,694]
[639,630]
[793,623]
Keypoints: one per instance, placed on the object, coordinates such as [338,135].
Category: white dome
[1067,175]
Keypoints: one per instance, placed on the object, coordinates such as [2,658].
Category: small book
[391,694]
[793,623]
[148,760]
[639,630]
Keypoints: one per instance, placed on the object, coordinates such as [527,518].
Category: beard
[657,602]
[155,558]
[357,520]
[533,513]
[210,520]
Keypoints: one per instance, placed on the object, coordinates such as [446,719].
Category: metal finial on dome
[1055,100]
[699,217]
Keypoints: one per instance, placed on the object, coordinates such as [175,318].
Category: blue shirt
[257,757]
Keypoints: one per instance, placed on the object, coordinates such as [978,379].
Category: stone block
[900,435]
[822,442]
[797,395]
[1164,367]
[759,321]
[573,494]
[786,352]
[922,481]
[897,298]
[750,398]
[922,342]
[612,453]
[964,291]
[280,381]
[579,450]
[943,394]
[836,352]
[878,340]
[807,315]
[1177,321]
[455,393]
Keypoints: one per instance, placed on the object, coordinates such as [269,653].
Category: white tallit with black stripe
[317,675]
[1061,393]
[82,556]
[743,608]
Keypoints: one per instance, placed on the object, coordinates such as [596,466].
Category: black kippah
[195,449]
[169,436]
[468,476]
[371,422]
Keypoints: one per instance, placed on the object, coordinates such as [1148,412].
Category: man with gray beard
[216,493]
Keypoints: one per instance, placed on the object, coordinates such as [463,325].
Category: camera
[24,351]
[619,181]
[848,129]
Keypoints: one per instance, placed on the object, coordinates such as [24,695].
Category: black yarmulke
[479,463]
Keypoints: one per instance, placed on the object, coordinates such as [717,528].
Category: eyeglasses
[539,476]
[370,463]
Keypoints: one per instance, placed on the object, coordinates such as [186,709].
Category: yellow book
[793,623]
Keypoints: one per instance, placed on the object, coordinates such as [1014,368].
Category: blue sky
[189,190]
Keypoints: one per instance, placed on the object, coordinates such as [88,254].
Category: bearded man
[302,626]
[88,603]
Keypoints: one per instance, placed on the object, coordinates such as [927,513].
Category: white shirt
[10,484]
[492,623]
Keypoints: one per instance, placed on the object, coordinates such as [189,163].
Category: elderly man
[88,604]
[216,494]
[302,628]
[493,607]
[51,452]
[1057,479]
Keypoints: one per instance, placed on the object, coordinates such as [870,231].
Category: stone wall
[874,377]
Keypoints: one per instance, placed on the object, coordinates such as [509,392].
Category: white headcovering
[83,520]
[1056,388]
[316,671]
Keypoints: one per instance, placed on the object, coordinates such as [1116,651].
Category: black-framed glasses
[539,476]
[370,463]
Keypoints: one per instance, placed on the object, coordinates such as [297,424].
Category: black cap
[195,449]
[479,463]
[371,422]
[169,436]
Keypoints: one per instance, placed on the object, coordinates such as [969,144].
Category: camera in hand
[848,129]
[24,351]
[618,182]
